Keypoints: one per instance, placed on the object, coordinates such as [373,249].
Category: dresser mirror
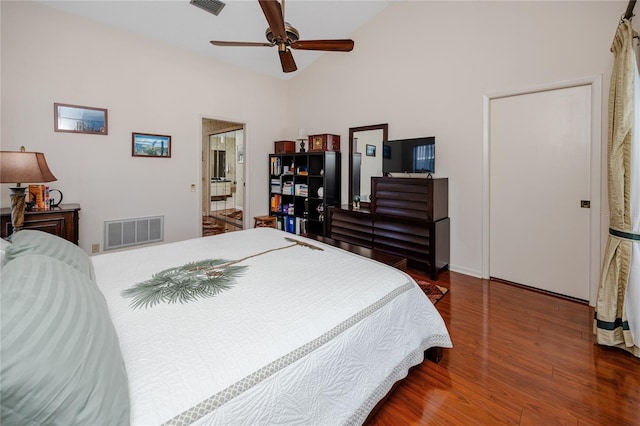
[365,158]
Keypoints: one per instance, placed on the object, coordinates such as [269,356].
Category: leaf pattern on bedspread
[195,280]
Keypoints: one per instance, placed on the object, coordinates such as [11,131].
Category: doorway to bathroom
[223,176]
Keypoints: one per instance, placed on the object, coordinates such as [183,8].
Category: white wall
[424,66]
[49,56]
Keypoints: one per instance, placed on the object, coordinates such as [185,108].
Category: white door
[539,173]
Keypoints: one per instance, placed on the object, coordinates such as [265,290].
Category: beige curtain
[610,324]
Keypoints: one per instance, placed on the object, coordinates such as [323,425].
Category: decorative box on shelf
[324,142]
[284,147]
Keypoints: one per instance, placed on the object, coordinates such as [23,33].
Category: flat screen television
[416,155]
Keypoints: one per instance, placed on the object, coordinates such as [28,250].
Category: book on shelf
[276,185]
[290,224]
[288,209]
[276,167]
[287,188]
[275,203]
[302,189]
[303,226]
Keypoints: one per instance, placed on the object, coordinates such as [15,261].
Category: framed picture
[80,119]
[371,150]
[147,145]
[386,151]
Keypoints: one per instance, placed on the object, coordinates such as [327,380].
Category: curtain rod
[629,13]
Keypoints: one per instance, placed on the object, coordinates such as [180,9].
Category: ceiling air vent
[211,6]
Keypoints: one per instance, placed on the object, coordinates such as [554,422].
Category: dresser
[61,221]
[407,217]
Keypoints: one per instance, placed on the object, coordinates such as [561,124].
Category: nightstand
[61,221]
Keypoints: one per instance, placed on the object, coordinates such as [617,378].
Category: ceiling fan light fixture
[211,6]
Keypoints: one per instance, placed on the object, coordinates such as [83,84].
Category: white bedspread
[304,337]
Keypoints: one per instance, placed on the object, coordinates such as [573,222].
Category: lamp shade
[24,167]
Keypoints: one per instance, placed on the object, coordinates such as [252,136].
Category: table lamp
[22,167]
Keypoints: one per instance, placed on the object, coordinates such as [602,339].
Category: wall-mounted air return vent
[131,232]
[211,6]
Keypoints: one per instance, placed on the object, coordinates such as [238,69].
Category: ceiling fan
[282,34]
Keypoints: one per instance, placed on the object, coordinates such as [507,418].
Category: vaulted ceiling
[181,24]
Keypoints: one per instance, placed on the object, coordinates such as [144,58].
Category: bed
[287,331]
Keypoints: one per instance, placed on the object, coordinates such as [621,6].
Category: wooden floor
[519,357]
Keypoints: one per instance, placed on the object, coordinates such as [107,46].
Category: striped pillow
[30,241]
[61,360]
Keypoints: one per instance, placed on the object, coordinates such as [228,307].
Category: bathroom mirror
[365,158]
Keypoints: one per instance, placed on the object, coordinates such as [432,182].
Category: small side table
[264,222]
[61,221]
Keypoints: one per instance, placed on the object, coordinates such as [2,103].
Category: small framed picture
[148,145]
[371,150]
[80,119]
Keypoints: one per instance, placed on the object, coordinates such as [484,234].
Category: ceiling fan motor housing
[292,34]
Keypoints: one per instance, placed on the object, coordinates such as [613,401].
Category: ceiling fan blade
[329,45]
[273,12]
[240,43]
[286,59]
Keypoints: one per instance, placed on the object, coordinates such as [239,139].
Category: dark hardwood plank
[519,357]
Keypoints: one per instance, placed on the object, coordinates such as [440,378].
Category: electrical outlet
[95,248]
